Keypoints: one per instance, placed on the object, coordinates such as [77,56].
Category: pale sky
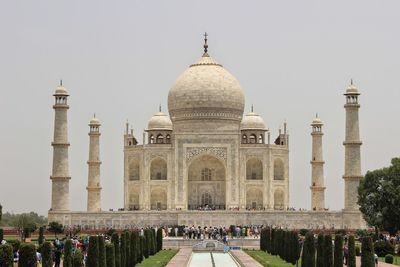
[120,58]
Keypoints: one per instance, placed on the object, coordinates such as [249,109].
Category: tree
[128,249]
[338,255]
[117,251]
[6,255]
[93,252]
[379,197]
[67,253]
[296,248]
[1,234]
[1,212]
[268,239]
[123,250]
[351,260]
[102,251]
[367,252]
[56,228]
[273,240]
[320,250]
[41,235]
[25,225]
[145,247]
[328,252]
[27,255]
[77,260]
[308,257]
[159,239]
[110,255]
[47,260]
[133,249]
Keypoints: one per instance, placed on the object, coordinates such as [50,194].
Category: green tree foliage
[93,252]
[41,235]
[1,212]
[273,241]
[154,238]
[102,251]
[338,254]
[145,247]
[308,257]
[351,260]
[6,255]
[27,255]
[1,234]
[367,252]
[25,224]
[328,251]
[141,245]
[295,248]
[110,255]
[159,239]
[117,250]
[139,249]
[382,248]
[128,249]
[47,260]
[9,219]
[320,250]
[133,247]
[268,239]
[77,260]
[67,253]
[379,197]
[56,228]
[123,250]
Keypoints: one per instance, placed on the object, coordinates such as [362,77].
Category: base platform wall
[285,219]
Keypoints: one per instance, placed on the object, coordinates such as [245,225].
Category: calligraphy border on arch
[220,152]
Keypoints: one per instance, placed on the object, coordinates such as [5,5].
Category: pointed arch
[158,169]
[254,169]
[279,170]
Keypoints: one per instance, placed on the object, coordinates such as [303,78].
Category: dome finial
[159,108]
[60,82]
[351,81]
[316,115]
[205,43]
[94,115]
[252,108]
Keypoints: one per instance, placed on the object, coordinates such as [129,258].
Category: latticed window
[206,199]
[158,176]
[206,174]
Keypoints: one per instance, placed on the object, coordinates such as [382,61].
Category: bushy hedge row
[125,251]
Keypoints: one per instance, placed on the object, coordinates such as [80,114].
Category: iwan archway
[206,183]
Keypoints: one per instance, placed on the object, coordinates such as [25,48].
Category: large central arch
[206,183]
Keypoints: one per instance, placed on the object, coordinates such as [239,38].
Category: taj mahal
[206,162]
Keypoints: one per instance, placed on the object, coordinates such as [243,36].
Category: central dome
[206,91]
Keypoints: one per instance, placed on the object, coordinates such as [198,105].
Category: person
[376,259]
[38,256]
[57,257]
[345,254]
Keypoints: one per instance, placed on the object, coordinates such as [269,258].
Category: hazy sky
[119,59]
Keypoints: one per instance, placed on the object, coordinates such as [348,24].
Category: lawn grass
[396,260]
[268,260]
[158,260]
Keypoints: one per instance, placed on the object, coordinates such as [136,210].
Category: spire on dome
[159,108]
[61,82]
[205,45]
[252,108]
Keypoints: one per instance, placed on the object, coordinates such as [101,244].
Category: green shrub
[133,247]
[389,258]
[320,250]
[67,253]
[308,257]
[296,248]
[47,260]
[117,250]
[383,248]
[41,235]
[1,234]
[351,259]
[338,254]
[328,251]
[77,259]
[93,252]
[128,249]
[27,255]
[123,250]
[159,239]
[340,232]
[102,251]
[367,252]
[15,244]
[6,255]
[145,247]
[110,255]
[358,251]
[361,233]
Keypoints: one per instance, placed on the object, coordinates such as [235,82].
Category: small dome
[352,90]
[61,90]
[253,121]
[94,121]
[160,121]
[317,121]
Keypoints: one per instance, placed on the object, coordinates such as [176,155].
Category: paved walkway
[244,259]
[181,258]
[380,264]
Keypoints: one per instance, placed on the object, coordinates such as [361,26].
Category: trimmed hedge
[351,260]
[27,255]
[328,251]
[389,258]
[117,250]
[6,255]
[110,255]
[77,259]
[308,257]
[159,239]
[320,250]
[93,252]
[367,252]
[102,251]
[67,253]
[47,259]
[338,255]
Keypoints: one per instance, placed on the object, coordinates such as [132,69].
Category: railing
[203,207]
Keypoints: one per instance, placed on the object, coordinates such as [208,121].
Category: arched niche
[158,199]
[254,199]
[158,169]
[279,170]
[254,169]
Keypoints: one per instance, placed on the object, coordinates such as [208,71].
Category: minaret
[352,143]
[94,188]
[317,167]
[60,176]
